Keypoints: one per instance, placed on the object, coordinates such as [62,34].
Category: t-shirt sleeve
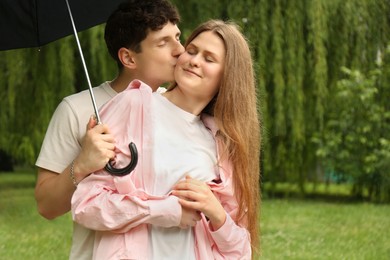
[60,145]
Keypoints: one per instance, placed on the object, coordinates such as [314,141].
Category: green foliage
[195,12]
[34,81]
[100,65]
[357,135]
[299,48]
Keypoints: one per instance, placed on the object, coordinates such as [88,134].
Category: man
[143,38]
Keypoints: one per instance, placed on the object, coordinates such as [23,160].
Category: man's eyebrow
[166,37]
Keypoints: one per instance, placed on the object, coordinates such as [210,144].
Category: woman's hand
[197,195]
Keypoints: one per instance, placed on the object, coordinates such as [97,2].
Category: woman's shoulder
[209,122]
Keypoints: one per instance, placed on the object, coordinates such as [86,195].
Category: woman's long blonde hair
[236,113]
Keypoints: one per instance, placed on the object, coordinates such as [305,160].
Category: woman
[198,161]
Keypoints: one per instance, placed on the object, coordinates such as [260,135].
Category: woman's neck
[184,101]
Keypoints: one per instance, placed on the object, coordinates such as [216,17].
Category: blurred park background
[323,76]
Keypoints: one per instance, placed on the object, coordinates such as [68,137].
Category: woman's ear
[126,57]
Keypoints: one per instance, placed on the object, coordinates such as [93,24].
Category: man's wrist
[72,175]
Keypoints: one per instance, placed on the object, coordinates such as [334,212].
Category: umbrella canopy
[34,23]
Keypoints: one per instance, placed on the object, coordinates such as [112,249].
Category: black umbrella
[34,23]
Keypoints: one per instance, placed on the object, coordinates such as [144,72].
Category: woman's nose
[194,61]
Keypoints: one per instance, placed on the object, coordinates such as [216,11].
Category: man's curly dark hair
[130,23]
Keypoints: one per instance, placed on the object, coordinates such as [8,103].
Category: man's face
[159,53]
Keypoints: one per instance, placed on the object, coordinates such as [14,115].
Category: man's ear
[126,57]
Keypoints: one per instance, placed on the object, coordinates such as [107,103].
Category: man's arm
[53,191]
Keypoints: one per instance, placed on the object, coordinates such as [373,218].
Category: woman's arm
[232,241]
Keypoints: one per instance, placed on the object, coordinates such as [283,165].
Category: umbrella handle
[129,168]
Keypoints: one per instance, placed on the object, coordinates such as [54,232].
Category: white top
[182,145]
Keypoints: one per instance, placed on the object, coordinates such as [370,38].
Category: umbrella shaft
[84,65]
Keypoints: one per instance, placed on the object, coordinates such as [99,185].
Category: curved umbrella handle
[129,168]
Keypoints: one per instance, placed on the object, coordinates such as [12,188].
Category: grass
[295,229]
[24,234]
[291,229]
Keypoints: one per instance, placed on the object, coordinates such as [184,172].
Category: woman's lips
[192,72]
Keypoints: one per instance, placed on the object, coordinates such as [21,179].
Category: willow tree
[33,82]
[100,65]
[299,48]
[358,146]
[195,12]
[316,78]
[354,142]
[281,33]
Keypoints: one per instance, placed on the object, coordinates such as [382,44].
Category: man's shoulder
[102,93]
[85,93]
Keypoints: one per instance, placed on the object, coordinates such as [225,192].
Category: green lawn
[291,229]
[24,234]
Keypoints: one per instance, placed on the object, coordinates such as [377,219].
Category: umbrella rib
[37,23]
[84,65]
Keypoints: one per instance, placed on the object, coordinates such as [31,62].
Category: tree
[299,48]
[357,133]
[33,82]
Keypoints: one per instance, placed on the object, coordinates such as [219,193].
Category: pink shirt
[120,209]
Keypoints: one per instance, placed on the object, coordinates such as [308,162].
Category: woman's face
[200,68]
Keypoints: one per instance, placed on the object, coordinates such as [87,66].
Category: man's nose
[179,49]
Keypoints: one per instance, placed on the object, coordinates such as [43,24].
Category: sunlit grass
[294,229]
[24,234]
[291,229]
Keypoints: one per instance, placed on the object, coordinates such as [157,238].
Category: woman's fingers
[191,184]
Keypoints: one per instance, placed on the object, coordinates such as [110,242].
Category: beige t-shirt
[62,144]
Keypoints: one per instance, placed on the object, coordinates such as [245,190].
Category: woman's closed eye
[209,58]
[191,51]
